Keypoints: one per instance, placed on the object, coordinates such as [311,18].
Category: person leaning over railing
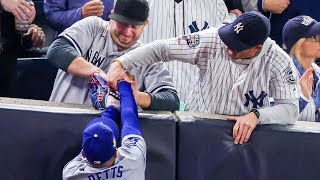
[240,70]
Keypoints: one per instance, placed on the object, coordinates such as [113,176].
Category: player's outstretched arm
[129,112]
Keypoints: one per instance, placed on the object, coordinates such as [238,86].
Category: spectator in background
[63,13]
[234,6]
[12,44]
[279,12]
[301,37]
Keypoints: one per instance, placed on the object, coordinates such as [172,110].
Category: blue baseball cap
[297,28]
[108,122]
[99,143]
[248,30]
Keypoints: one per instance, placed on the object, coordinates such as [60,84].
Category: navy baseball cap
[248,30]
[99,143]
[132,12]
[297,28]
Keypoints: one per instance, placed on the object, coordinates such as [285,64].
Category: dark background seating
[34,79]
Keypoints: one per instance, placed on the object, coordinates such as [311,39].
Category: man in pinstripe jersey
[172,18]
[240,70]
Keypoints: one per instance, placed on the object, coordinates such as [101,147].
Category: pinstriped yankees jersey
[130,163]
[224,86]
[92,40]
[170,19]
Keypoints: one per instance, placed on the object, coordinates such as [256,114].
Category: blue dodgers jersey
[130,164]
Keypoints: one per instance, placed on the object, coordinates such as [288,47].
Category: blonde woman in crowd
[301,37]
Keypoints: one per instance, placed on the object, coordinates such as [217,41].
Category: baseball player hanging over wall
[99,157]
[240,70]
[171,18]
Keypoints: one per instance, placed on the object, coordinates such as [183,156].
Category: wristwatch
[256,112]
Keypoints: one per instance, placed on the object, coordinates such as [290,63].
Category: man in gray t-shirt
[91,44]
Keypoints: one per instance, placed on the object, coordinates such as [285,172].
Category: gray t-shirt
[92,40]
[130,163]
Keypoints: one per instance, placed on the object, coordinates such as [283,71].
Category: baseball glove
[101,94]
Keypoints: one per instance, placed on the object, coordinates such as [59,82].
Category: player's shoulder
[132,140]
[134,146]
[73,167]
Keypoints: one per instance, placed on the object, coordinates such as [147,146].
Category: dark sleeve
[61,53]
[260,4]
[234,4]
[165,100]
[112,113]
[129,111]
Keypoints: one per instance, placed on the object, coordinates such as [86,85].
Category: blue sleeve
[59,16]
[112,113]
[302,104]
[129,111]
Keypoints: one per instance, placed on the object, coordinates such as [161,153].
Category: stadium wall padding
[36,145]
[274,152]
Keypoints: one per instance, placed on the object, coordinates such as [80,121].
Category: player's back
[130,164]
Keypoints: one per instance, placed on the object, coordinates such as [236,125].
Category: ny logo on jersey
[256,101]
[239,27]
[194,27]
[95,58]
[307,20]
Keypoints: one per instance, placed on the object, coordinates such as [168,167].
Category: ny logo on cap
[307,20]
[238,27]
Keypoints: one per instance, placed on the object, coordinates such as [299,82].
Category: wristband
[256,112]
